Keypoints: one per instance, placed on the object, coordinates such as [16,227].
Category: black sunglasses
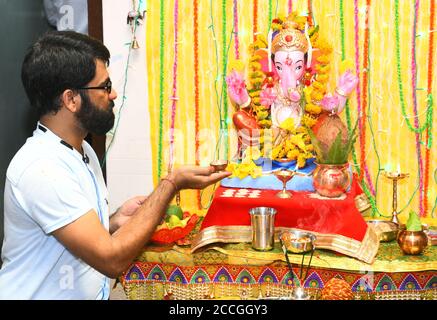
[107,87]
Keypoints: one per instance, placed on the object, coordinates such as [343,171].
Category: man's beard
[94,119]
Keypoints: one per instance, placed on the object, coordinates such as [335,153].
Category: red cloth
[323,216]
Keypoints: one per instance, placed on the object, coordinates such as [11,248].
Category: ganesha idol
[287,93]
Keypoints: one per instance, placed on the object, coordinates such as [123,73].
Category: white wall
[129,160]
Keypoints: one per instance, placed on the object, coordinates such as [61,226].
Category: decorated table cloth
[236,271]
[337,223]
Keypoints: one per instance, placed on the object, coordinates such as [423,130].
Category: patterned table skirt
[151,281]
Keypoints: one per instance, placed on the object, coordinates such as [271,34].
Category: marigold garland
[255,19]
[196,86]
[428,134]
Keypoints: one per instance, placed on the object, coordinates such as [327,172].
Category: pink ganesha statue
[288,92]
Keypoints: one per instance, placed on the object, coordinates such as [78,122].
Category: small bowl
[387,230]
[219,165]
[298,241]
[412,242]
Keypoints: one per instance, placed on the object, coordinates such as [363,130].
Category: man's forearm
[130,238]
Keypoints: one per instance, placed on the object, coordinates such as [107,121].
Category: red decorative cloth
[230,207]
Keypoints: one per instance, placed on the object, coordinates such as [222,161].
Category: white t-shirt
[49,185]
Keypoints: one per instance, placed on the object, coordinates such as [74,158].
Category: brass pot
[331,180]
[412,242]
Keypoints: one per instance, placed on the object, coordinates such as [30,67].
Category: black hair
[57,61]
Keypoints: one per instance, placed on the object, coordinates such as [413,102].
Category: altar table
[236,271]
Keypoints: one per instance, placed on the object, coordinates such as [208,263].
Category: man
[60,242]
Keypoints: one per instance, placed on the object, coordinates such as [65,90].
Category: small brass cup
[219,165]
[412,242]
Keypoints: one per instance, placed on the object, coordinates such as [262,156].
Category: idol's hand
[237,89]
[346,83]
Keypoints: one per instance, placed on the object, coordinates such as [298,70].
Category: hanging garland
[371,198]
[174,97]
[361,118]
[310,13]
[416,113]
[366,71]
[428,133]
[358,74]
[255,19]
[428,122]
[196,86]
[224,86]
[161,84]
[236,38]
[290,6]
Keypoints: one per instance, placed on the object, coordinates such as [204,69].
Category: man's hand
[125,212]
[188,177]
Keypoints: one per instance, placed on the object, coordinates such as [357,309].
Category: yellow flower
[307,92]
[255,58]
[293,154]
[301,161]
[323,69]
[244,169]
[256,172]
[265,123]
[261,115]
[256,81]
[323,78]
[319,86]
[288,124]
[317,95]
[255,67]
[231,166]
[313,109]
[308,121]
[297,139]
[323,59]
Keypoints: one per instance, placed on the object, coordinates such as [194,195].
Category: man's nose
[113,94]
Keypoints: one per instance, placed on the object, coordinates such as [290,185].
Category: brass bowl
[298,241]
[219,165]
[387,230]
[412,242]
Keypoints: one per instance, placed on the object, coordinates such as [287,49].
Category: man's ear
[71,100]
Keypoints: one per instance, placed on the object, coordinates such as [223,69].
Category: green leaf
[336,152]
[316,144]
[413,222]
